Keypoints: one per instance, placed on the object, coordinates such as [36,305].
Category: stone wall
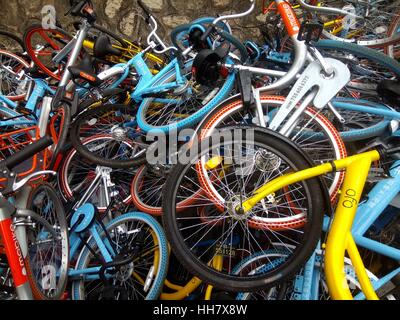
[123,16]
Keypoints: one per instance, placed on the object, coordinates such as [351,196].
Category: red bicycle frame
[13,251]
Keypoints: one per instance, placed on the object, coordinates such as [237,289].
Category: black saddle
[103,47]
[389,90]
[85,71]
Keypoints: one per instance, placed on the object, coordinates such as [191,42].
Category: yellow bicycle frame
[183,292]
[340,238]
[127,53]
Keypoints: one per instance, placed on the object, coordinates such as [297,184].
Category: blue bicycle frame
[380,197]
[41,88]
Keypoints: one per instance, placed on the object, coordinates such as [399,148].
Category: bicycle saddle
[103,47]
[389,90]
[85,71]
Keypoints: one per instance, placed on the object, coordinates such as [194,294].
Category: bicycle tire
[21,64]
[27,38]
[86,117]
[63,254]
[73,182]
[228,282]
[233,105]
[160,273]
[15,38]
[190,120]
[361,51]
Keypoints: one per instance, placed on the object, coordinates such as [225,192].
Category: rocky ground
[123,16]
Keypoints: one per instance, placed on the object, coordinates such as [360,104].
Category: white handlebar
[237,15]
[153,34]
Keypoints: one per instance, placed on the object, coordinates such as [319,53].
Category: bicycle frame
[147,79]
[13,251]
[374,43]
[40,90]
[340,238]
[105,248]
[303,54]
[379,198]
[292,25]
[146,75]
[102,178]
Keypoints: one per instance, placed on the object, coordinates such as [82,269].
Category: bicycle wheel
[77,174]
[294,292]
[372,31]
[146,190]
[124,147]
[368,67]
[313,132]
[222,171]
[12,85]
[359,125]
[393,50]
[184,107]
[11,42]
[134,235]
[272,258]
[42,44]
[47,241]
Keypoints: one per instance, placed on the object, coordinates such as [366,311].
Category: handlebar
[26,153]
[227,17]
[327,10]
[236,15]
[152,22]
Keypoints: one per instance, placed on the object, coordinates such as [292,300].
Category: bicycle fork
[13,251]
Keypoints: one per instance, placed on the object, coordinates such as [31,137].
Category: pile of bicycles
[207,168]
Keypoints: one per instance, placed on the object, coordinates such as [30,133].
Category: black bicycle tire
[15,38]
[226,282]
[84,152]
[61,216]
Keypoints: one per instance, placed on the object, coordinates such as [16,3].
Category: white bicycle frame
[303,55]
[329,10]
